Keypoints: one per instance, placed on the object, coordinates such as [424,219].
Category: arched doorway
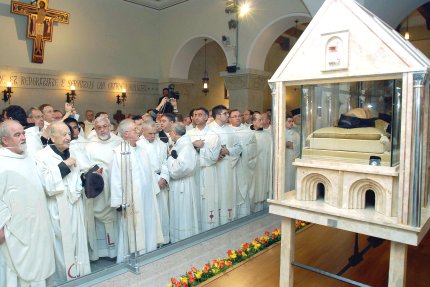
[187,70]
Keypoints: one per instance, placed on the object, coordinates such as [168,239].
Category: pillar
[246,88]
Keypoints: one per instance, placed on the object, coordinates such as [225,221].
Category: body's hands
[199,143]
[70,162]
[162,183]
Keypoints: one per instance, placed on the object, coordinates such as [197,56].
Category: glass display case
[357,122]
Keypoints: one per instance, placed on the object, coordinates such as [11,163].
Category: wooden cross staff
[40,24]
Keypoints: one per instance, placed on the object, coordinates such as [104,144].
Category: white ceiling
[157,4]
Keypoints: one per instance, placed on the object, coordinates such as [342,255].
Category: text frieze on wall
[37,81]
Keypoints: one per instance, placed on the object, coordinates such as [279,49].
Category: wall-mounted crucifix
[40,24]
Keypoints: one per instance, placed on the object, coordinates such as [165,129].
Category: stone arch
[357,198]
[309,186]
[181,62]
[264,40]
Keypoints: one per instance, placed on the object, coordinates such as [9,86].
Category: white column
[398,260]
[288,228]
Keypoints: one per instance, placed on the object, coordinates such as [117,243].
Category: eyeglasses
[224,113]
[237,116]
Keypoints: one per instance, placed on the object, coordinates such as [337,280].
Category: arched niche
[310,185]
[267,36]
[358,191]
[179,68]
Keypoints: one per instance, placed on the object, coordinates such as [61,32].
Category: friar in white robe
[131,192]
[291,153]
[208,145]
[244,172]
[182,164]
[26,237]
[101,218]
[61,181]
[156,151]
[227,162]
[262,184]
[33,134]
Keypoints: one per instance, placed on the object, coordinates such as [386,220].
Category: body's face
[61,137]
[75,129]
[165,124]
[16,141]
[223,116]
[149,133]
[246,116]
[265,119]
[289,123]
[186,121]
[37,118]
[48,114]
[57,116]
[258,122]
[165,93]
[200,117]
[139,127]
[90,116]
[102,130]
[130,135]
[235,118]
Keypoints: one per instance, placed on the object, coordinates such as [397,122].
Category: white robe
[226,168]
[28,251]
[34,143]
[89,126]
[206,177]
[263,182]
[183,201]
[131,173]
[157,154]
[245,169]
[290,156]
[100,217]
[67,216]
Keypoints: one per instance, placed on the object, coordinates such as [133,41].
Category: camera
[172,93]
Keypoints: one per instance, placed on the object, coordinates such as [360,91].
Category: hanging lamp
[205,78]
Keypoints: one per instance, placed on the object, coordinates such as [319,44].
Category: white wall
[103,37]
[197,18]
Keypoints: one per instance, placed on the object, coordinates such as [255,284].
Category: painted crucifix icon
[40,24]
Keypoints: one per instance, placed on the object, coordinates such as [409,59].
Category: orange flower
[221,264]
[267,233]
[228,263]
[191,280]
[194,269]
[173,280]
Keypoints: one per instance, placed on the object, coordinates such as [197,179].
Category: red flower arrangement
[194,277]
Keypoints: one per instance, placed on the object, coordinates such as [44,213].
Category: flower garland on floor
[194,277]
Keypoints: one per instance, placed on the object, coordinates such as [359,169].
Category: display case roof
[345,41]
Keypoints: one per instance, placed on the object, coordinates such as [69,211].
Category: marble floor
[156,268]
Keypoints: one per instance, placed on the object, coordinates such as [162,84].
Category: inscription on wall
[41,81]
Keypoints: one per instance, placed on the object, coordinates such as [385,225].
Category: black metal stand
[357,256]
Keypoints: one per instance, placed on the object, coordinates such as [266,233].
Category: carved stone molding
[250,80]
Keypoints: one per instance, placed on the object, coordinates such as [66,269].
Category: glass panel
[352,122]
[395,123]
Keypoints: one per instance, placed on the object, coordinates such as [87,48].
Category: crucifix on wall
[40,24]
